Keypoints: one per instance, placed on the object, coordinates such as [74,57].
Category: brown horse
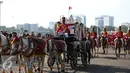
[29,48]
[118,45]
[93,46]
[4,46]
[57,50]
[104,44]
[126,46]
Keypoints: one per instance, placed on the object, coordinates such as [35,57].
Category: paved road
[103,64]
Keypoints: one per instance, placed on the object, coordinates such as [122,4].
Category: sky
[15,12]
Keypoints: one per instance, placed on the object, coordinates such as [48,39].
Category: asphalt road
[102,64]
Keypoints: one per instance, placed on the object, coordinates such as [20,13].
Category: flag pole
[68,13]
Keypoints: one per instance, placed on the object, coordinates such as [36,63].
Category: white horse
[4,46]
[57,49]
[29,48]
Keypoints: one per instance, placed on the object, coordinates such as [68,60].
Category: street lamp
[0,13]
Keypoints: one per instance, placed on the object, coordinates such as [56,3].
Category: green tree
[124,28]
[110,28]
[95,29]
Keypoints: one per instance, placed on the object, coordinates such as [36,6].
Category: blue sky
[42,11]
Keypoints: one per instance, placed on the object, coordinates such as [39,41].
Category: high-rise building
[29,27]
[99,21]
[104,20]
[108,20]
[51,25]
[34,28]
[81,17]
[20,27]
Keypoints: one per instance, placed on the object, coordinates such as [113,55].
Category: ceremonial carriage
[72,35]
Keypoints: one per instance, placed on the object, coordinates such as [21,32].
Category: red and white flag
[70,7]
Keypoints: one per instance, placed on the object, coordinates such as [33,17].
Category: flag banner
[70,7]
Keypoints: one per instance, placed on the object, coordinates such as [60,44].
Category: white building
[29,27]
[34,28]
[51,25]
[104,20]
[20,27]
[82,18]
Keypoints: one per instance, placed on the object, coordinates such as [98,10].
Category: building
[82,18]
[20,27]
[127,24]
[99,21]
[29,27]
[34,28]
[104,20]
[108,20]
[51,25]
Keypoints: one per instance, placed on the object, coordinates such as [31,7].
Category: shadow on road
[102,69]
[113,58]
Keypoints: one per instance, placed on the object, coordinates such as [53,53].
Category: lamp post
[0,13]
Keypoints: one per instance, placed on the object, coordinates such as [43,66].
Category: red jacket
[93,35]
[105,34]
[119,34]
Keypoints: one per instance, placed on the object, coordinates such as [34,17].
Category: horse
[93,46]
[118,45]
[29,48]
[104,44]
[126,46]
[57,50]
[4,46]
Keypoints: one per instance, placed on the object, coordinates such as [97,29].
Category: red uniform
[93,35]
[104,34]
[14,39]
[119,34]
[61,28]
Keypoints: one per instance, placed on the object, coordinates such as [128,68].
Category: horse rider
[105,34]
[14,42]
[14,38]
[88,45]
[119,35]
[39,36]
[93,34]
[25,34]
[88,34]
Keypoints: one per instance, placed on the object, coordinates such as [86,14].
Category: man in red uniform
[88,34]
[93,34]
[119,34]
[105,34]
[61,29]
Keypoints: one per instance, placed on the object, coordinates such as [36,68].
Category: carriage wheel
[84,58]
[73,60]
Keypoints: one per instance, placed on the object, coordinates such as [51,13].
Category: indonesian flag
[70,7]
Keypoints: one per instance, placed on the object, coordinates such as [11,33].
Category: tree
[124,28]
[110,28]
[95,29]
